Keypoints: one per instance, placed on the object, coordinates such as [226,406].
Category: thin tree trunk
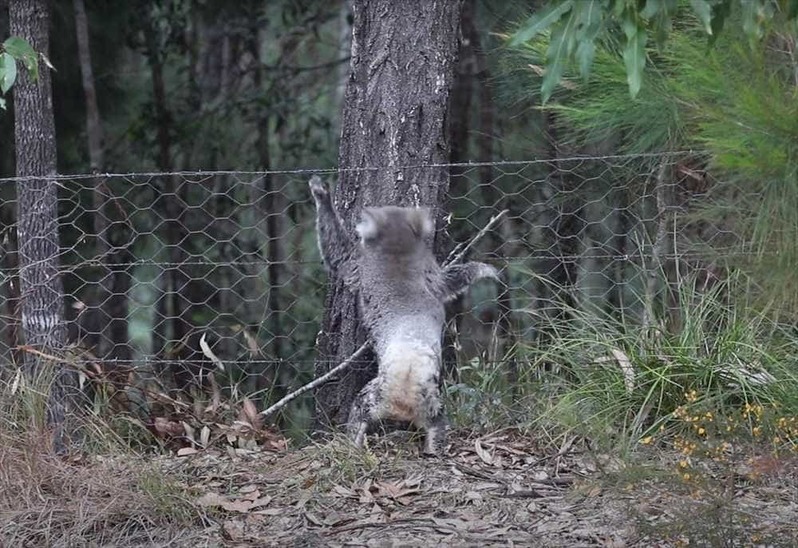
[655,272]
[102,301]
[403,56]
[41,287]
[9,263]
[171,311]
[270,203]
[486,138]
[460,120]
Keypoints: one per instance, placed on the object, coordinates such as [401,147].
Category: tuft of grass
[102,493]
[620,383]
[339,462]
[46,501]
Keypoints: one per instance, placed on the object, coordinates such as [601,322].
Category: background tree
[41,290]
[403,57]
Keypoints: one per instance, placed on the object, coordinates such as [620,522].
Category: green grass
[722,354]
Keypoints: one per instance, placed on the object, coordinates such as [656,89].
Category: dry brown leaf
[165,427]
[252,495]
[248,489]
[314,519]
[269,512]
[482,453]
[240,506]
[249,415]
[395,490]
[252,344]
[233,529]
[205,436]
[211,499]
[340,491]
[262,501]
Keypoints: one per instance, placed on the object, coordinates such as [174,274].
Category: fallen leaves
[245,501]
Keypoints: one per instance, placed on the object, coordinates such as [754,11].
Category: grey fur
[402,291]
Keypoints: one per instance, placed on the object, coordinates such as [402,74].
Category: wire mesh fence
[167,274]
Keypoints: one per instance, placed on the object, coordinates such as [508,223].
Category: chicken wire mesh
[156,266]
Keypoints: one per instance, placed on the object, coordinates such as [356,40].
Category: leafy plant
[618,383]
[15,49]
[575,27]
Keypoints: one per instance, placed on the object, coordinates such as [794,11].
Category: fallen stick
[316,382]
[455,256]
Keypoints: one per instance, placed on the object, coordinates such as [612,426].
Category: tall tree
[394,118]
[41,287]
[109,306]
[171,309]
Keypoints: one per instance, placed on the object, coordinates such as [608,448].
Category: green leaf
[8,72]
[704,12]
[792,9]
[21,50]
[652,8]
[589,20]
[634,56]
[540,21]
[585,52]
[561,46]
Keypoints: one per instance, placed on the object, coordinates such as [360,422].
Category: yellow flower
[701,431]
[647,440]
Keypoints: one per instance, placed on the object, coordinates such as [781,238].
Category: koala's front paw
[488,271]
[318,190]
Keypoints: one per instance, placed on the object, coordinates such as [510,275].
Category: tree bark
[41,287]
[403,56]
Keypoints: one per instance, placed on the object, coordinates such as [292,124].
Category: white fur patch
[408,387]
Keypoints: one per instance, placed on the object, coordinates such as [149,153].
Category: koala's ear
[367,228]
[422,221]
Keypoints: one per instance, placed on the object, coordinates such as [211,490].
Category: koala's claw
[317,188]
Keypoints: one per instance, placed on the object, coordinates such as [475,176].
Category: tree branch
[316,382]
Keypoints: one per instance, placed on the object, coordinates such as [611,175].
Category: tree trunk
[171,310]
[103,300]
[41,287]
[271,207]
[403,56]
[9,263]
[460,120]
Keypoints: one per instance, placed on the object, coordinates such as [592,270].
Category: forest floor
[502,489]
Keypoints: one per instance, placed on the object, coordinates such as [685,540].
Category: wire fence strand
[148,269]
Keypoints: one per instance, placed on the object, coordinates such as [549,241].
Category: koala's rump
[409,383]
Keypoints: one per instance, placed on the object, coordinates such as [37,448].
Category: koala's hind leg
[364,413]
[437,429]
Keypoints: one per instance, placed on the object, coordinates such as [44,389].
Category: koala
[401,294]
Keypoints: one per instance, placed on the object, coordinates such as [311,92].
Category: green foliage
[734,101]
[576,27]
[728,356]
[12,50]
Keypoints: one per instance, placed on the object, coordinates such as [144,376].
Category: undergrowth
[620,383]
[105,493]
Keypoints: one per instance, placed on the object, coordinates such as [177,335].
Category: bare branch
[316,382]
[459,252]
